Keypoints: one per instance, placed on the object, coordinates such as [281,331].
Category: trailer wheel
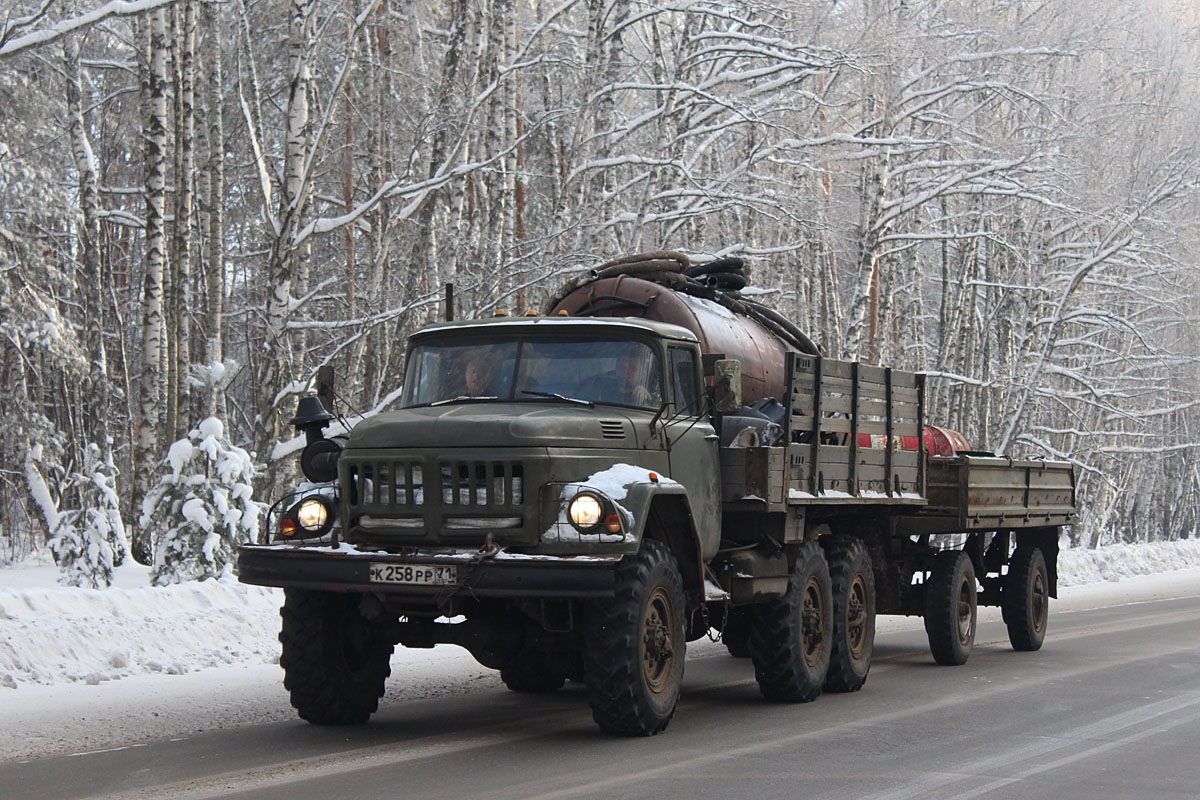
[735,633]
[334,660]
[635,644]
[790,638]
[950,608]
[853,641]
[1027,598]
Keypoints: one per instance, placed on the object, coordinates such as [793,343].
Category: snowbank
[58,635]
[1112,563]
[65,634]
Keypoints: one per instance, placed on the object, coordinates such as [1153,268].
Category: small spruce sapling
[89,541]
[202,508]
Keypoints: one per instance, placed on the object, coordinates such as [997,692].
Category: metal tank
[761,353]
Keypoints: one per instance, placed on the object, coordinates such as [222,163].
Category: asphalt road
[1109,708]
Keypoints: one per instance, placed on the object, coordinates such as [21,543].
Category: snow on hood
[616,480]
[614,483]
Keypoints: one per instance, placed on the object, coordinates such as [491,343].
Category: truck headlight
[585,511]
[310,518]
[588,512]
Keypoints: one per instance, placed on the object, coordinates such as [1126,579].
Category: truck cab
[503,424]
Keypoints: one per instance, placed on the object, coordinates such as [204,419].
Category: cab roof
[582,325]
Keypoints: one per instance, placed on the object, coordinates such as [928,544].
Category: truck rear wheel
[853,640]
[1027,598]
[335,661]
[635,645]
[951,607]
[790,638]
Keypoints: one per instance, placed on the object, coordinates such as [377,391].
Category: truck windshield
[616,371]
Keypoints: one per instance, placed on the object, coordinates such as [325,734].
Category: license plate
[414,574]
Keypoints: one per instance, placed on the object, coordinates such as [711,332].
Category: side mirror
[727,386]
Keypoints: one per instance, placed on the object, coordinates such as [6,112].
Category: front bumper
[501,574]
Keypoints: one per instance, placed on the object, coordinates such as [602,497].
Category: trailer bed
[854,436]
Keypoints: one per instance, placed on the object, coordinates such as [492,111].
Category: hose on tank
[717,281]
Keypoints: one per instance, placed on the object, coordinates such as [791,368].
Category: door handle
[711,437]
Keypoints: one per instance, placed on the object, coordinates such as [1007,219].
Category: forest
[204,202]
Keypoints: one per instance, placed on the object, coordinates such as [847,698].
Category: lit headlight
[585,511]
[311,517]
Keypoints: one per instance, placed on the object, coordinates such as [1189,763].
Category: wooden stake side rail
[834,409]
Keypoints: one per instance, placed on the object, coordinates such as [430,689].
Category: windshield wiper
[557,396]
[462,397]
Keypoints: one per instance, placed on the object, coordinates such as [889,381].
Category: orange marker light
[613,523]
[287,526]
[654,477]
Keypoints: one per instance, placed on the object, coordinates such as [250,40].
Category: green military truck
[576,496]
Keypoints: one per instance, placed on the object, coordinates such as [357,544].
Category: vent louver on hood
[612,429]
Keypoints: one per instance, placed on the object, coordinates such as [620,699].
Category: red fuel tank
[938,441]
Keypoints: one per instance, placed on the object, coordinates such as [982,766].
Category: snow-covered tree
[201,509]
[89,541]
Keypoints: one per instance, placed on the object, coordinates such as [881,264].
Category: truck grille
[396,486]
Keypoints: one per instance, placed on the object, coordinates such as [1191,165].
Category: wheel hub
[1039,601]
[966,624]
[811,617]
[856,618]
[658,647]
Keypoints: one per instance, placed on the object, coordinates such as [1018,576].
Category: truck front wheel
[635,644]
[951,606]
[335,661]
[790,638]
[853,614]
[1026,598]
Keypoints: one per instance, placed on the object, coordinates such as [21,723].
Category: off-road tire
[951,608]
[853,583]
[334,660]
[735,633]
[533,672]
[635,644]
[790,637]
[1027,598]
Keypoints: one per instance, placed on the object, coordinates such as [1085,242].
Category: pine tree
[89,541]
[201,509]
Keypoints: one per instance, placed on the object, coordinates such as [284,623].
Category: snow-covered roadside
[55,635]
[87,669]
[1119,561]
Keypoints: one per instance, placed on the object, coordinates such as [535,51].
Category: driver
[478,375]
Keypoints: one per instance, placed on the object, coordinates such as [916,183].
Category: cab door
[693,443]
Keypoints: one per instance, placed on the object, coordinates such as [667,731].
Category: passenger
[634,382]
[638,379]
